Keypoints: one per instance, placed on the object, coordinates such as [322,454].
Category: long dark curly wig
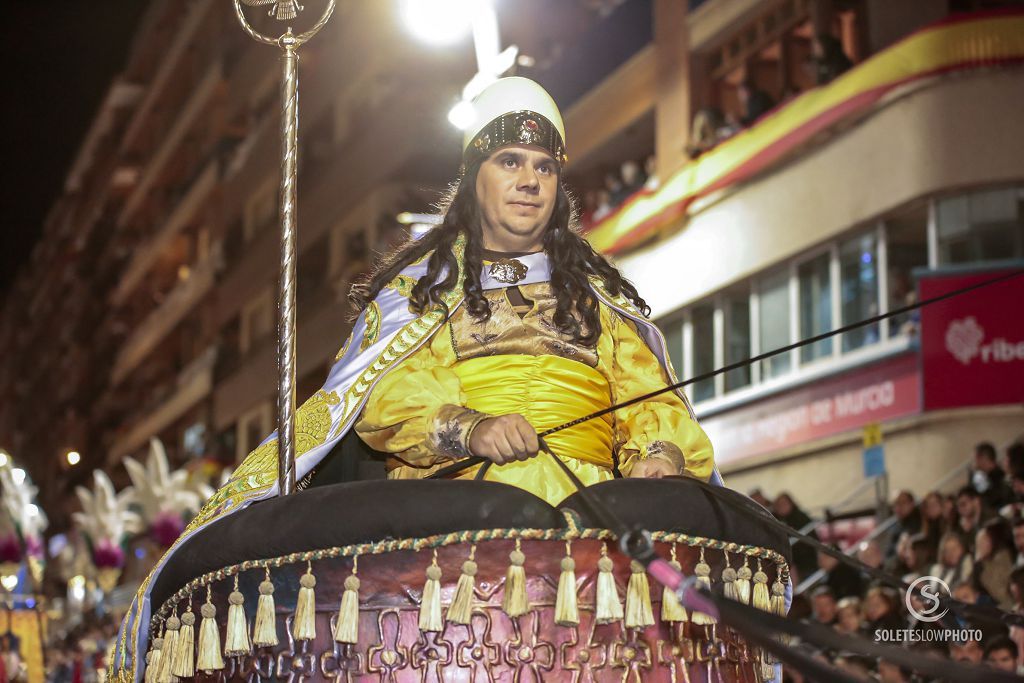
[571,257]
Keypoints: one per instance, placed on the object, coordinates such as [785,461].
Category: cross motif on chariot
[676,655]
[580,659]
[525,655]
[430,654]
[300,664]
[479,653]
[632,654]
[342,660]
[389,655]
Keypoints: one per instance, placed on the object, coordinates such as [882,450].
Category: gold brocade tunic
[424,410]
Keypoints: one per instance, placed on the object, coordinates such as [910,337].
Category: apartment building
[148,308]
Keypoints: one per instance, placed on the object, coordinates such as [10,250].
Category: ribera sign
[972,345]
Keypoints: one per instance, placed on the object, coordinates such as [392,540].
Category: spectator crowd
[972,541]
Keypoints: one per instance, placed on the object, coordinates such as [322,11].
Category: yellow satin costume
[423,412]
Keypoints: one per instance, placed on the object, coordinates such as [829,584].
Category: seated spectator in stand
[1001,653]
[972,515]
[881,610]
[908,517]
[933,523]
[1015,458]
[841,578]
[917,557]
[616,189]
[856,665]
[1016,508]
[704,131]
[1018,541]
[633,177]
[967,592]
[988,478]
[993,561]
[966,652]
[755,102]
[823,605]
[604,206]
[848,616]
[893,673]
[870,554]
[786,511]
[830,61]
[757,495]
[955,564]
[650,169]
[589,208]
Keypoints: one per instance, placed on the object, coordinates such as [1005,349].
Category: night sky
[59,57]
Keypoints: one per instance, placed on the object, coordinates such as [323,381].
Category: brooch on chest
[508,270]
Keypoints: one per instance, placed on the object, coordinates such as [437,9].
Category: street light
[4,459]
[439,22]
[18,475]
[74,457]
[444,21]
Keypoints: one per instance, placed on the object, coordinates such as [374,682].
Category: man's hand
[503,439]
[653,468]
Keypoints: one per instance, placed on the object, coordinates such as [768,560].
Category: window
[736,308]
[774,314]
[260,210]
[906,245]
[257,321]
[981,226]
[702,318]
[674,341]
[815,306]
[858,287]
[253,427]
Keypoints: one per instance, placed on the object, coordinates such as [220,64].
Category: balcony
[168,65]
[193,384]
[179,217]
[195,106]
[321,330]
[159,323]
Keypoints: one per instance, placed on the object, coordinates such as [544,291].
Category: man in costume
[498,323]
[547,330]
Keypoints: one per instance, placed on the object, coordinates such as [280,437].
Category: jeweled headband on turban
[515,111]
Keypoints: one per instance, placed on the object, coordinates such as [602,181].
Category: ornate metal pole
[289,43]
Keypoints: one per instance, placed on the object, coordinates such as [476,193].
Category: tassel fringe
[566,608]
[608,608]
[163,670]
[461,609]
[671,609]
[209,658]
[515,602]
[760,598]
[742,583]
[639,613]
[183,662]
[778,603]
[703,572]
[264,630]
[153,658]
[430,605]
[304,625]
[347,628]
[728,579]
[236,638]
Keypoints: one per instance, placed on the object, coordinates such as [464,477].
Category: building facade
[149,307]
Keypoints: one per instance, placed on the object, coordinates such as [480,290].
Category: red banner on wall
[880,392]
[972,345]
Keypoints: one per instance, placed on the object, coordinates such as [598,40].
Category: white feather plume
[19,499]
[105,513]
[157,489]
